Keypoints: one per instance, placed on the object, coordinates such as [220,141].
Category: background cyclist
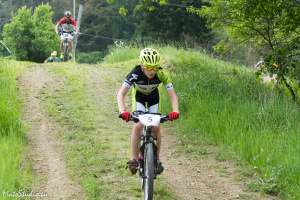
[67,24]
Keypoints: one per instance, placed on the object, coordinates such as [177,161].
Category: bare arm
[56,28]
[174,100]
[121,98]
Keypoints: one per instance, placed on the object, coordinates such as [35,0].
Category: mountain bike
[66,37]
[66,34]
[148,150]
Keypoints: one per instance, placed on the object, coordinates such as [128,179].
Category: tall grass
[122,54]
[225,104]
[13,175]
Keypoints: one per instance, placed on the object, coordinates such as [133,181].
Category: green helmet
[150,57]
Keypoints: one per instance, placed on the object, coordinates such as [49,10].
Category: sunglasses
[149,67]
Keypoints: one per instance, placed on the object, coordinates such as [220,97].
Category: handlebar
[135,116]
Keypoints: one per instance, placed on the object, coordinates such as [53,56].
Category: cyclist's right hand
[125,116]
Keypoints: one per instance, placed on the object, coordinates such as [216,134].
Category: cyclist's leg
[137,127]
[135,140]
[70,45]
[61,46]
[135,137]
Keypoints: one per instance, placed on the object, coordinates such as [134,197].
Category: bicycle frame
[66,32]
[149,151]
[65,42]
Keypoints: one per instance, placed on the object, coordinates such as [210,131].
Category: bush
[31,36]
[90,57]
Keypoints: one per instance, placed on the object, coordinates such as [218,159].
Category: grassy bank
[83,103]
[14,174]
[226,105]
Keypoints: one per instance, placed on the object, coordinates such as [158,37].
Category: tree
[168,20]
[271,25]
[165,21]
[31,37]
[142,20]
[18,34]
[103,24]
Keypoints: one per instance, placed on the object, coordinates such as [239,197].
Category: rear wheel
[148,179]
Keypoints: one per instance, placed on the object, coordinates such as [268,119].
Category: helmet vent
[150,56]
[153,59]
[148,59]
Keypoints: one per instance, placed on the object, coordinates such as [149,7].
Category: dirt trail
[203,179]
[47,159]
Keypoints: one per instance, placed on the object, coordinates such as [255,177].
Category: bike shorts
[66,35]
[143,102]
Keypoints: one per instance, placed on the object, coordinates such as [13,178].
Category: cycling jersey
[143,84]
[64,21]
[67,28]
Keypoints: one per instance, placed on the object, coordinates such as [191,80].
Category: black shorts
[147,100]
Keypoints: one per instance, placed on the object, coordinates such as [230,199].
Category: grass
[15,175]
[96,151]
[221,104]
[225,105]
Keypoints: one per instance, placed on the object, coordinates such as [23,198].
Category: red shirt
[64,21]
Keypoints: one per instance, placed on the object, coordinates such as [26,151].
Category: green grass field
[14,174]
[226,105]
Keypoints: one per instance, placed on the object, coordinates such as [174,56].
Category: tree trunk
[291,90]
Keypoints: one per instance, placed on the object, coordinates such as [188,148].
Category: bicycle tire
[149,172]
[66,52]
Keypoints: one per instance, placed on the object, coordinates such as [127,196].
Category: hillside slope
[226,105]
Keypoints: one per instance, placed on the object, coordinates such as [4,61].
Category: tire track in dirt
[46,153]
[200,179]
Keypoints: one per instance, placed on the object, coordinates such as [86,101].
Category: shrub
[90,57]
[31,36]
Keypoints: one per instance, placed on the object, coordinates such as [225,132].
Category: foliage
[224,104]
[104,24]
[170,21]
[272,26]
[45,39]
[105,21]
[162,21]
[90,57]
[7,7]
[14,175]
[31,37]
[18,34]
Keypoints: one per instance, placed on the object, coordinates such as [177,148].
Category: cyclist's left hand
[173,115]
[125,116]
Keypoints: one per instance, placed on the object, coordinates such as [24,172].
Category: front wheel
[66,50]
[148,179]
